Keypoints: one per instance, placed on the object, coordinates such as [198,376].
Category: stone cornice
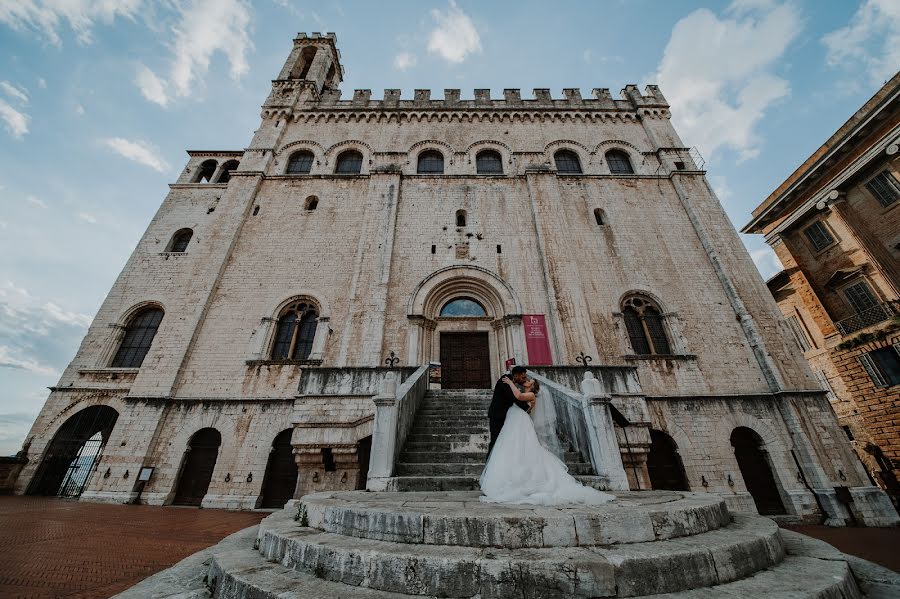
[475,114]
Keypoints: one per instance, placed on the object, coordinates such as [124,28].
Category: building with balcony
[835,226]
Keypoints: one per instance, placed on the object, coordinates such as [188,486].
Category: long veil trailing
[544,418]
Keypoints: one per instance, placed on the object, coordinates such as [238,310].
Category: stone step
[460,519]
[421,428]
[746,546]
[475,457]
[451,412]
[245,574]
[433,483]
[446,446]
[457,469]
[447,437]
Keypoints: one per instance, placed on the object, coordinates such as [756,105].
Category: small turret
[316,60]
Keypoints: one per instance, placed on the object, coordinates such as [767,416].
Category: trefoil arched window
[295,333]
[644,323]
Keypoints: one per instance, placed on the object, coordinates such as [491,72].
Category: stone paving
[879,545]
[62,548]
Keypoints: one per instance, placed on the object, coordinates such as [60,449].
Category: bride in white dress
[521,469]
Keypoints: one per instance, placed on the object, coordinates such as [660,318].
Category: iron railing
[866,318]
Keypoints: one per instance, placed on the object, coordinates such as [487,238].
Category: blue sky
[99,100]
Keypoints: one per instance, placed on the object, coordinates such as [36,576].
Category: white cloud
[151,86]
[16,121]
[3,224]
[717,73]
[870,41]
[36,201]
[71,318]
[14,91]
[79,110]
[42,83]
[138,151]
[454,37]
[47,16]
[405,60]
[720,187]
[88,218]
[767,262]
[207,27]
[9,359]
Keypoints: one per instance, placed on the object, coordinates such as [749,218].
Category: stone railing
[584,424]
[866,318]
[395,411]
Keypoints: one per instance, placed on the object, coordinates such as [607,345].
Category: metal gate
[74,453]
[465,361]
[281,472]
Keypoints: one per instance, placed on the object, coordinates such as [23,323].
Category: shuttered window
[883,365]
[885,187]
[860,297]
[818,235]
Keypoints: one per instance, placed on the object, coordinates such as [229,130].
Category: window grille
[567,163]
[300,163]
[883,365]
[618,162]
[489,162]
[138,338]
[349,163]
[430,163]
[295,333]
[885,187]
[860,297]
[818,235]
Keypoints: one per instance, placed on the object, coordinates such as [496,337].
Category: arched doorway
[753,461]
[198,466]
[281,472]
[74,452]
[470,321]
[664,463]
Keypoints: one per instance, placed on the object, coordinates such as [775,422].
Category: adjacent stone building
[250,349]
[835,226]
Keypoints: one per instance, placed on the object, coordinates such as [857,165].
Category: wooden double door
[465,361]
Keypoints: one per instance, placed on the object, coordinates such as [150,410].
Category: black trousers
[495,424]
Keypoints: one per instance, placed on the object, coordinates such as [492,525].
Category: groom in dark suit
[502,400]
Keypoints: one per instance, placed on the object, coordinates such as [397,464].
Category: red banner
[537,341]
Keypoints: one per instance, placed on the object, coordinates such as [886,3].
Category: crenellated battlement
[631,99]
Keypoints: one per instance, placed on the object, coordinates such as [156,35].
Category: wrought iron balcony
[867,318]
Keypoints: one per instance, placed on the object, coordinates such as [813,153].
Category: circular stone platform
[460,519]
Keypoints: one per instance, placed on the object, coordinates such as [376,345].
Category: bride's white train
[521,469]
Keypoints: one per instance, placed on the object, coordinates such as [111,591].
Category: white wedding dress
[522,470]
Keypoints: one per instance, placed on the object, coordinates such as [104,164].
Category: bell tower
[315,61]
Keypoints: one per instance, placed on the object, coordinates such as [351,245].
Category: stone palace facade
[254,342]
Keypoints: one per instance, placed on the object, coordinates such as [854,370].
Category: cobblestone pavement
[879,545]
[63,548]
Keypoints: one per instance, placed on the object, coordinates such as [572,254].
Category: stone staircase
[447,446]
[449,544]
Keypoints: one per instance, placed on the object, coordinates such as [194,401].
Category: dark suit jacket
[502,400]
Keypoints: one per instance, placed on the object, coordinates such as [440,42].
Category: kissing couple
[523,464]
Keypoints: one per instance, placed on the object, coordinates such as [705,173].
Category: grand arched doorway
[281,472]
[74,452]
[753,461]
[664,464]
[470,321]
[197,468]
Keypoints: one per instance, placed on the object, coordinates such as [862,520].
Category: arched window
[349,163]
[229,166]
[598,216]
[567,163]
[180,240]
[489,162]
[643,321]
[618,162]
[300,163]
[295,333]
[312,202]
[139,336]
[306,60]
[206,171]
[463,306]
[460,218]
[431,163]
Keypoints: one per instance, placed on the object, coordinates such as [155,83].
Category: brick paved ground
[62,548]
[879,545]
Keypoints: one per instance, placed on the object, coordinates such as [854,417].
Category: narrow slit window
[460,218]
[598,216]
